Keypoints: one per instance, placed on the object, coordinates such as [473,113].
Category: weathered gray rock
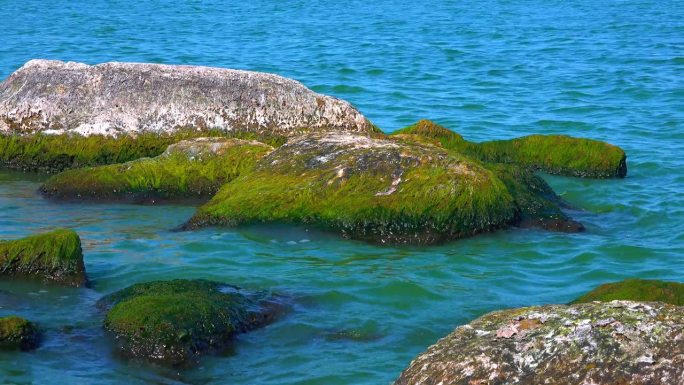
[113,98]
[618,342]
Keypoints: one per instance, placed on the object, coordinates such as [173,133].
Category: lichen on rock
[555,154]
[637,290]
[190,169]
[617,342]
[54,256]
[373,189]
[18,333]
[174,322]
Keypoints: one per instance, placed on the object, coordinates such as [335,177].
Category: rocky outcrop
[18,333]
[54,257]
[637,290]
[386,190]
[174,322]
[617,342]
[555,154]
[129,98]
[372,189]
[190,169]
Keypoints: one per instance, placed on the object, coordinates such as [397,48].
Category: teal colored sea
[608,70]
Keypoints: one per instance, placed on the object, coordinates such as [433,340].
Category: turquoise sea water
[490,69]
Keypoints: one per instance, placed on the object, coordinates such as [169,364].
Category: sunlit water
[496,69]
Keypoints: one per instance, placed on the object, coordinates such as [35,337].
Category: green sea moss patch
[637,290]
[537,204]
[173,322]
[190,169]
[555,154]
[55,256]
[18,333]
[372,189]
[55,153]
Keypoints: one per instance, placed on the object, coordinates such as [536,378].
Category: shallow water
[606,70]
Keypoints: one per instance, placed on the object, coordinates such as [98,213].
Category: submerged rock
[173,322]
[373,189]
[619,342]
[18,333]
[637,290]
[55,256]
[555,154]
[127,98]
[190,169]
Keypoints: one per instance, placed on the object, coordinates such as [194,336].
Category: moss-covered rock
[55,256]
[555,154]
[617,342]
[18,333]
[637,290]
[190,169]
[173,322]
[373,189]
[55,153]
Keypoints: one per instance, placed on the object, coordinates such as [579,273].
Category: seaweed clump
[634,289]
[18,333]
[174,322]
[190,169]
[555,154]
[54,256]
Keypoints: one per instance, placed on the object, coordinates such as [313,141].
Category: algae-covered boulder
[555,154]
[173,322]
[617,342]
[18,333]
[373,189]
[194,168]
[115,98]
[55,256]
[637,290]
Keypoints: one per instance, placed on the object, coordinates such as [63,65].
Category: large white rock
[125,98]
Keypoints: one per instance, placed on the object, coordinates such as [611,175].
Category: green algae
[173,322]
[536,202]
[191,169]
[555,154]
[55,153]
[55,256]
[637,290]
[370,189]
[18,333]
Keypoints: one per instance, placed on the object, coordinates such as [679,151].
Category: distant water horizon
[611,71]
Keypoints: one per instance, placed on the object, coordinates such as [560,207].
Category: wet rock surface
[174,322]
[54,257]
[619,342]
[190,169]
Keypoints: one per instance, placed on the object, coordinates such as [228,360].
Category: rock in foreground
[173,322]
[637,290]
[190,169]
[618,342]
[55,256]
[18,333]
[379,190]
[129,98]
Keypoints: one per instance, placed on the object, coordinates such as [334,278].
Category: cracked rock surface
[619,342]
